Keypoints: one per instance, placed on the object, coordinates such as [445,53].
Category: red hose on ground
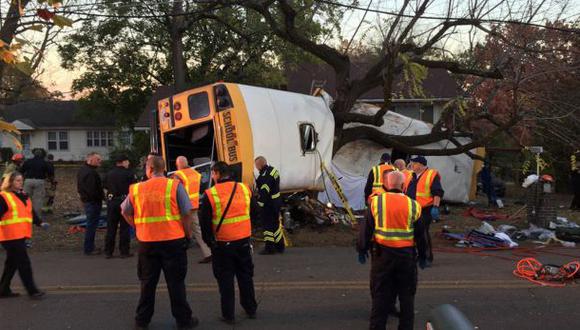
[533,271]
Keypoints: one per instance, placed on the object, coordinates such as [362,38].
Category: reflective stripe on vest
[378,172]
[191,180]
[156,213]
[236,224]
[394,214]
[16,223]
[423,193]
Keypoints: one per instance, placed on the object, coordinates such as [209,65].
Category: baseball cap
[420,160]
[386,157]
[120,158]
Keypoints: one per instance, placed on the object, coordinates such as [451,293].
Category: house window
[308,138]
[125,138]
[99,138]
[25,141]
[58,140]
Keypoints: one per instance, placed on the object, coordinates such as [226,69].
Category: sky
[55,78]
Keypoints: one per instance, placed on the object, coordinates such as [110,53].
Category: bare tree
[411,36]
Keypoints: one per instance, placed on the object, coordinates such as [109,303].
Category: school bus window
[308,138]
[198,105]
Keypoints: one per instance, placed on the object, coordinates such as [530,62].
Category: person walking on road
[225,219]
[36,170]
[160,211]
[375,178]
[424,186]
[16,219]
[268,185]
[387,231]
[117,182]
[90,189]
[191,180]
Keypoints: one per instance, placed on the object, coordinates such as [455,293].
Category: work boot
[192,324]
[9,294]
[37,295]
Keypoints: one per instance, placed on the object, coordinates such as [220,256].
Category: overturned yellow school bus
[235,123]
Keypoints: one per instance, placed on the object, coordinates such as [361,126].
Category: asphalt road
[306,288]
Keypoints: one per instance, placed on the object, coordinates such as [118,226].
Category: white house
[60,128]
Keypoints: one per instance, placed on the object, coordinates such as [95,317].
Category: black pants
[171,257]
[423,236]
[272,228]
[17,259]
[232,260]
[115,220]
[393,274]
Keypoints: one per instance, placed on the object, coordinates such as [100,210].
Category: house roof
[53,114]
[160,93]
[438,85]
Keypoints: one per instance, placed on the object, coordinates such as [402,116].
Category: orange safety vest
[378,172]
[376,192]
[16,223]
[191,180]
[236,224]
[156,213]
[423,194]
[394,215]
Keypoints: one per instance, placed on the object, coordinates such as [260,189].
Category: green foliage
[125,60]
[413,76]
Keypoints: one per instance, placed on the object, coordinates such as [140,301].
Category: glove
[435,213]
[422,263]
[362,257]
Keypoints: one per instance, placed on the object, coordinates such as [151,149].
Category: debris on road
[547,275]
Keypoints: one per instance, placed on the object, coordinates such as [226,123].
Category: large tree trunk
[176,31]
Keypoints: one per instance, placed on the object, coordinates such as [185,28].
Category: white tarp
[354,161]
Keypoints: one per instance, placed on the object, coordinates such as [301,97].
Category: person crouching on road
[160,211]
[16,219]
[390,225]
[226,227]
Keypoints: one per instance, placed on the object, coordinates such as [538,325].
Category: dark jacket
[118,180]
[37,168]
[89,185]
[268,185]
[205,214]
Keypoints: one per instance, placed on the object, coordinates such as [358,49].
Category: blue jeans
[93,212]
